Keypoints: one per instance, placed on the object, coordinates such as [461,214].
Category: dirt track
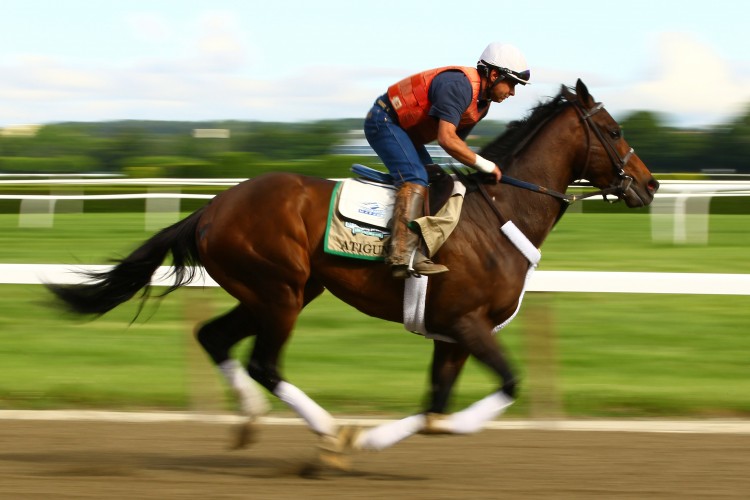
[189,460]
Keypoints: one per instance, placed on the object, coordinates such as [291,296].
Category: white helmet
[507,59]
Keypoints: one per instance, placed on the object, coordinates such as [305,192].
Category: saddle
[440,184]
[361,208]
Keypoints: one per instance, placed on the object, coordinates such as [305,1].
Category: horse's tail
[108,289]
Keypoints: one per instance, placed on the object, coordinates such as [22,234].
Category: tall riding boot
[403,255]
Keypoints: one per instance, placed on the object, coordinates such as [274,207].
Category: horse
[262,242]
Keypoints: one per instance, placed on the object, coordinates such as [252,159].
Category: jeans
[404,160]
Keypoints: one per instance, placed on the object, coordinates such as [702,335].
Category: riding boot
[403,256]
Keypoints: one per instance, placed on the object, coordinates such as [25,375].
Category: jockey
[444,104]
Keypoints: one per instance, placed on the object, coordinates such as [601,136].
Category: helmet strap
[501,75]
[490,84]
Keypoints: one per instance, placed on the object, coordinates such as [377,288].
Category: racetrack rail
[708,426]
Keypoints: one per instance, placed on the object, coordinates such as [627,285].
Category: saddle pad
[354,239]
[367,203]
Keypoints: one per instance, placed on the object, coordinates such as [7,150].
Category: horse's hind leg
[275,320]
[263,367]
[217,338]
[277,323]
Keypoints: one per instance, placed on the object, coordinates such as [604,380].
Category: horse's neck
[546,161]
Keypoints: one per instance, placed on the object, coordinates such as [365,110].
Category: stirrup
[403,271]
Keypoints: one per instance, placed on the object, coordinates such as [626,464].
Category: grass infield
[630,355]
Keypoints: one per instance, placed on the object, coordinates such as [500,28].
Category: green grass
[628,355]
[590,242]
[642,355]
[622,242]
[50,361]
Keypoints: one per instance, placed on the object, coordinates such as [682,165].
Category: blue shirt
[450,94]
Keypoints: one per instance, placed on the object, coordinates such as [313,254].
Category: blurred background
[117,119]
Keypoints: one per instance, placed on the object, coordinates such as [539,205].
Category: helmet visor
[521,77]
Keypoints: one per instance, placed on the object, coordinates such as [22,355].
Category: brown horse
[262,241]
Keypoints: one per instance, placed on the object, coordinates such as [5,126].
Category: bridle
[618,187]
[622,181]
[620,184]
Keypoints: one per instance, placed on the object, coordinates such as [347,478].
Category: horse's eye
[615,134]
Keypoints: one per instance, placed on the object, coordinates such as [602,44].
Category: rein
[618,163]
[567,198]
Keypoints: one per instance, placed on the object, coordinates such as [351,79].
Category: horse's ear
[583,94]
[565,92]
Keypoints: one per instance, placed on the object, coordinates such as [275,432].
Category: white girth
[415,288]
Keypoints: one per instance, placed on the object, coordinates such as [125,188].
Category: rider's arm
[457,148]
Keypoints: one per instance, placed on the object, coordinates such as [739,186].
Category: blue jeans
[404,160]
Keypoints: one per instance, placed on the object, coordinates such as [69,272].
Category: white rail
[679,214]
[542,281]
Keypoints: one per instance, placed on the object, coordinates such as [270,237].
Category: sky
[309,60]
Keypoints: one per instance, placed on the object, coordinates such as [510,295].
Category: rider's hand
[497,174]
[489,168]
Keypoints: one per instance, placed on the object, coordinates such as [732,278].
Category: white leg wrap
[385,435]
[475,416]
[316,417]
[253,402]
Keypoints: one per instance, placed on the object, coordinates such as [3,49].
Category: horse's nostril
[653,185]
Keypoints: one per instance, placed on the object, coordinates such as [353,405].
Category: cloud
[149,27]
[311,93]
[215,45]
[209,72]
[195,77]
[38,73]
[219,47]
[690,82]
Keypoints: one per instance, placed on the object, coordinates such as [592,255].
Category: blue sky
[295,60]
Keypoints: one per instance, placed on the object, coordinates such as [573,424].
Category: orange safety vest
[409,99]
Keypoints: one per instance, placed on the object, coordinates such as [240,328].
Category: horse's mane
[517,131]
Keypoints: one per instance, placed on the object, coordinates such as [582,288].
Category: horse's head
[610,163]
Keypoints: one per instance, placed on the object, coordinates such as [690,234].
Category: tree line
[165,148]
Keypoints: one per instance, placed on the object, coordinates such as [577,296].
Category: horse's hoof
[336,461]
[347,436]
[333,450]
[436,424]
[246,434]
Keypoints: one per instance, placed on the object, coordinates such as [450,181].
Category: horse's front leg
[477,340]
[447,361]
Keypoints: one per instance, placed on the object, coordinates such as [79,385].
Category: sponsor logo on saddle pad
[358,220]
[367,203]
[366,231]
[372,209]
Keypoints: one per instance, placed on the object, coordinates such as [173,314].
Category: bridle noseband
[622,181]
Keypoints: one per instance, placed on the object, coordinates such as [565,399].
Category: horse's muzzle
[638,194]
